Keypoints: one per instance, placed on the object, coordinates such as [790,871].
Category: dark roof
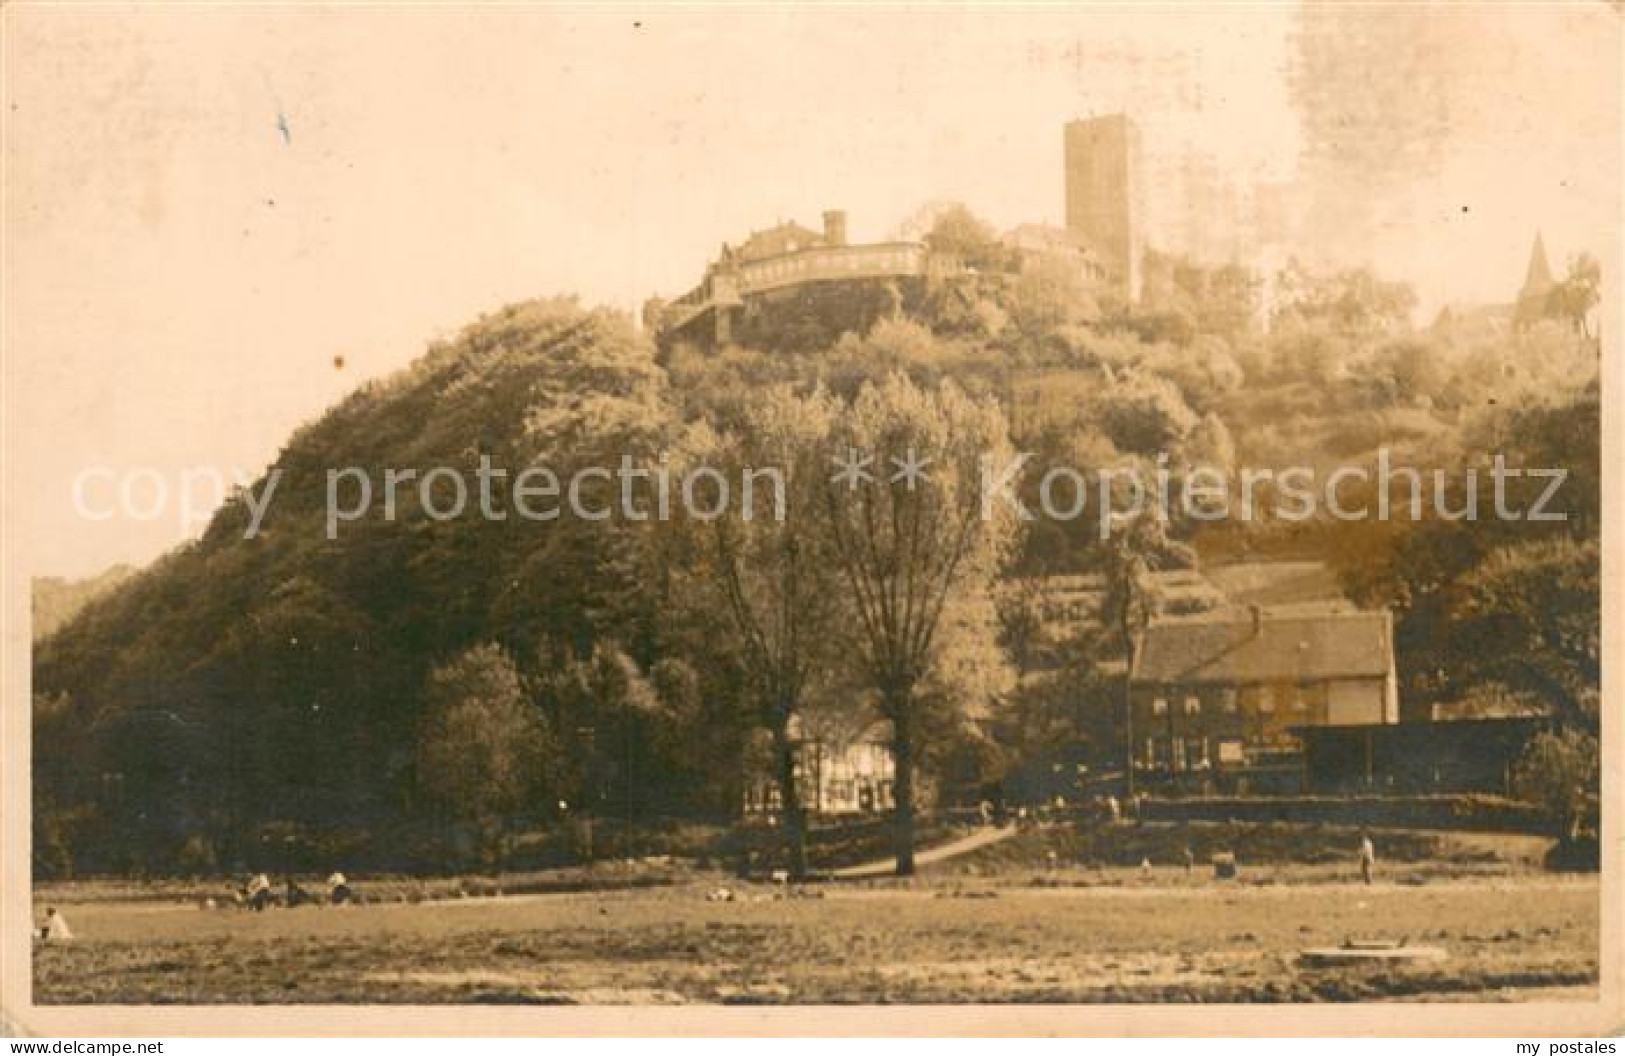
[1286,644]
[777,241]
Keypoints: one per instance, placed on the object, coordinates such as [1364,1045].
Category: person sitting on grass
[296,895]
[339,888]
[258,892]
[56,927]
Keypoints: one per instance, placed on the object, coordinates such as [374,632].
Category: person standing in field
[1368,856]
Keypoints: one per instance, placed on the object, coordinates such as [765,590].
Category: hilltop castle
[780,264]
[790,273]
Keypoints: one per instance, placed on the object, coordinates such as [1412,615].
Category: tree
[1182,298]
[608,718]
[1145,415]
[1572,299]
[1558,772]
[1063,708]
[1135,551]
[1229,304]
[1352,303]
[772,573]
[957,232]
[1526,621]
[481,745]
[1048,295]
[909,534]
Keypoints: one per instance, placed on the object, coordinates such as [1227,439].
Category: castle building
[778,265]
[791,278]
[1036,246]
[1103,195]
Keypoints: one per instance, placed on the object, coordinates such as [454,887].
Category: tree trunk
[795,829]
[903,789]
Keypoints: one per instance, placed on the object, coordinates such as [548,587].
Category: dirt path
[963,845]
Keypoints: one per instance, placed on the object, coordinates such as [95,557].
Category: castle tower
[1102,197]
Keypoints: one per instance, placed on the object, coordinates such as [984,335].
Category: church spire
[1537,280]
[1537,285]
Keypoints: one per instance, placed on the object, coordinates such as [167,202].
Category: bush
[196,855]
[1582,855]
[52,858]
[1558,774]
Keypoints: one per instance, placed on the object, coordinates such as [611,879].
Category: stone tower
[1102,193]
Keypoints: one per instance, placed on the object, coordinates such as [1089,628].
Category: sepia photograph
[1038,517]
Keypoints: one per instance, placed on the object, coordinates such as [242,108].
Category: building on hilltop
[787,267]
[1035,246]
[792,286]
[1104,197]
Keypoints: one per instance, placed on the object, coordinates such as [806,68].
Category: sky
[218,221]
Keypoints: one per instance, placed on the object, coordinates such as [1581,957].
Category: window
[1159,706]
[1228,699]
[1193,705]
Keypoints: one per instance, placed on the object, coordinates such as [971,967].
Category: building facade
[1037,246]
[836,775]
[775,264]
[1221,695]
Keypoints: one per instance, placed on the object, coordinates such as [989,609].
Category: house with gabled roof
[1219,694]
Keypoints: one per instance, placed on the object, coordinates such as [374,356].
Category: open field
[1162,937]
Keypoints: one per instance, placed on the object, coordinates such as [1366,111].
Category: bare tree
[908,530]
[768,561]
